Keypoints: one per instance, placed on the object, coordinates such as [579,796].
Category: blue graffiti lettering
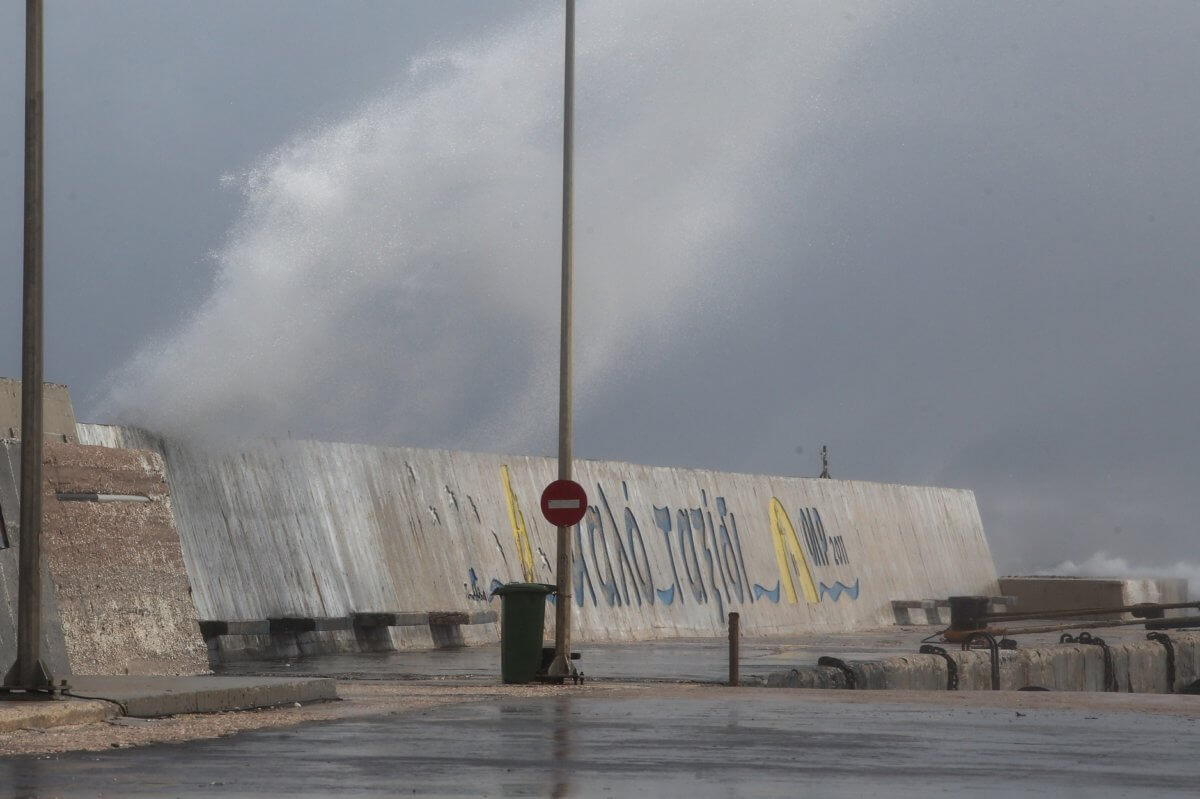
[612,594]
[637,544]
[474,590]
[729,555]
[814,536]
[713,563]
[662,520]
[623,562]
[692,569]
[737,542]
[580,576]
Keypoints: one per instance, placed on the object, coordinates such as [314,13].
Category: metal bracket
[1110,675]
[951,665]
[993,650]
[41,687]
[544,675]
[1169,645]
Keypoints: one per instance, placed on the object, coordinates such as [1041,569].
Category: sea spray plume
[393,277]
[1101,564]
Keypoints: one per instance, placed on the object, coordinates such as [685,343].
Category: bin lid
[525,588]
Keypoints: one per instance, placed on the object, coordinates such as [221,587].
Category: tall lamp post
[29,672]
[561,665]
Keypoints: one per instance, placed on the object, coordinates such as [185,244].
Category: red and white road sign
[563,503]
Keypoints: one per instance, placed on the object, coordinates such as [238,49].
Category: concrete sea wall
[301,528]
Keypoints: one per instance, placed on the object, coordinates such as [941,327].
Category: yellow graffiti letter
[785,538]
[520,535]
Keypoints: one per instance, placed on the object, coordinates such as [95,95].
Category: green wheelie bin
[522,621]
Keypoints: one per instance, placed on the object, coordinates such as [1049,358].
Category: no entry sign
[563,503]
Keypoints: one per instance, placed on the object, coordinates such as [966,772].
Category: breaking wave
[393,277]
[1102,564]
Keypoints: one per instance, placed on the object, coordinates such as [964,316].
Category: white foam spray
[1102,564]
[394,276]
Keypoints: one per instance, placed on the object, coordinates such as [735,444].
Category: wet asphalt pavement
[758,743]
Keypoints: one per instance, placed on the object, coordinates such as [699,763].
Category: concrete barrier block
[1034,661]
[1017,670]
[411,637]
[974,670]
[1138,666]
[871,675]
[1141,667]
[795,678]
[448,617]
[918,673]
[211,628]
[1013,670]
[1187,659]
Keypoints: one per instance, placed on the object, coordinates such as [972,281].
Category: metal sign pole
[561,666]
[29,673]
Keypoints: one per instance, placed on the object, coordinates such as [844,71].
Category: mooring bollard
[734,678]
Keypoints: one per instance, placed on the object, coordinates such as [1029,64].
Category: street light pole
[29,673]
[561,665]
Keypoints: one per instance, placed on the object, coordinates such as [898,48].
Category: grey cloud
[956,243]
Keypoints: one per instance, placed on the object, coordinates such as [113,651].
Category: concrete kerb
[1139,667]
[103,698]
[39,715]
[152,697]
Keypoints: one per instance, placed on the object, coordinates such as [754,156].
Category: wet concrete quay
[682,660]
[884,658]
[668,741]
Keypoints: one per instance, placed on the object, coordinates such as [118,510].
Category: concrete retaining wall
[54,649]
[282,528]
[58,416]
[1075,593]
[115,588]
[122,588]
[1139,667]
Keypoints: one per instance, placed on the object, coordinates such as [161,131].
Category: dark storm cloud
[967,254]
[148,104]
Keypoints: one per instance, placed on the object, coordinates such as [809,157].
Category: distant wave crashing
[393,277]
[1102,564]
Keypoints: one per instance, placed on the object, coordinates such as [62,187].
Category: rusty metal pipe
[1077,625]
[1070,613]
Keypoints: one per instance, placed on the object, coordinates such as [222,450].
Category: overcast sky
[956,242]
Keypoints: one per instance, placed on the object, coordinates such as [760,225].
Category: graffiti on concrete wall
[699,548]
[790,556]
[474,587]
[820,546]
[520,534]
